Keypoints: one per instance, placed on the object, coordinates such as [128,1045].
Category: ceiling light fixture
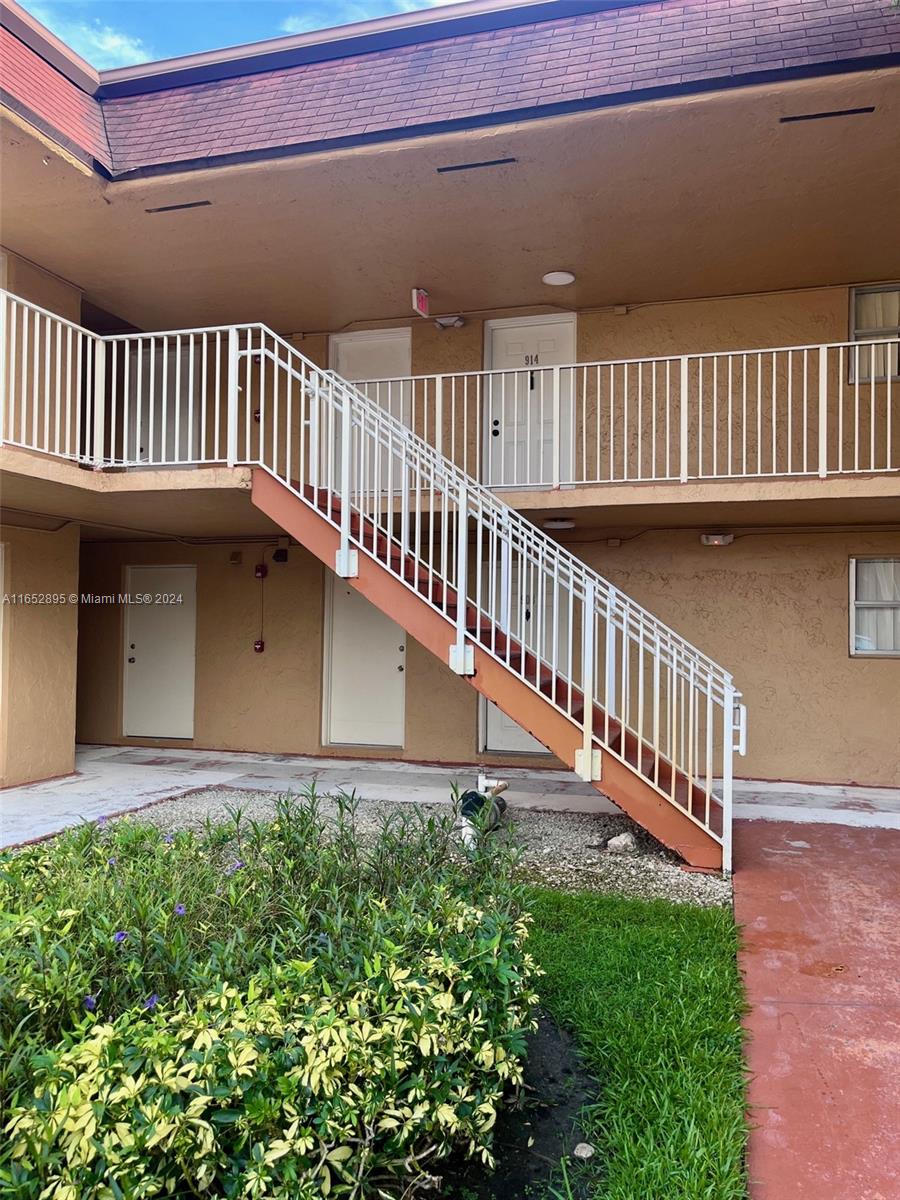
[558,278]
[716,539]
[558,523]
[456,322]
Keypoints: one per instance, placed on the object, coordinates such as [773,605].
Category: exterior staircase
[632,707]
[617,695]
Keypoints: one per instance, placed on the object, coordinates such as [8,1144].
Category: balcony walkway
[819,907]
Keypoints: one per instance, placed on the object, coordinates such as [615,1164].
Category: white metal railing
[631,685]
[797,410]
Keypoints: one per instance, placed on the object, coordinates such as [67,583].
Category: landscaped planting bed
[279,1009]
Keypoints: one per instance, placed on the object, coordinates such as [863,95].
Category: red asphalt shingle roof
[34,88]
[481,76]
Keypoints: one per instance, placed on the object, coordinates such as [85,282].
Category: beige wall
[244,700]
[38,660]
[40,287]
[774,608]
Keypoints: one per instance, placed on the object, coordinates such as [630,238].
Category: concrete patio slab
[116,779]
[819,907]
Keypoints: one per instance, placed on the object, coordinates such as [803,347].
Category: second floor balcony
[221,396]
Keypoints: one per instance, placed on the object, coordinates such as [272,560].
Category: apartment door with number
[365,665]
[520,403]
[160,637]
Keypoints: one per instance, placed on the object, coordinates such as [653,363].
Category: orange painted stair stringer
[620,783]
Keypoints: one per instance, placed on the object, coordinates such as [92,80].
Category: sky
[119,33]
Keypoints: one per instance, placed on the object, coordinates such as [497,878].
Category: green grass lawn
[651,990]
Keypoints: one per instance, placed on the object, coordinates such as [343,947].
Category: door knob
[400,668]
[131,659]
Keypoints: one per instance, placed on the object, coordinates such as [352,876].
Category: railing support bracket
[589,767]
[462,659]
[346,563]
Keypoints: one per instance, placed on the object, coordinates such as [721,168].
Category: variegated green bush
[364,1026]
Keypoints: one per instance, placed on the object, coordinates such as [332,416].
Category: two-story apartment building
[647,415]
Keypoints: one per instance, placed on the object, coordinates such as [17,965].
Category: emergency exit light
[420,302]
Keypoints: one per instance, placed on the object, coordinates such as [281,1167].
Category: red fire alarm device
[420,302]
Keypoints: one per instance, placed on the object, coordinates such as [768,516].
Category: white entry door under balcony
[160,636]
[524,399]
[537,618]
[365,681]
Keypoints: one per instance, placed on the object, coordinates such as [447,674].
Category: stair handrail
[513,519]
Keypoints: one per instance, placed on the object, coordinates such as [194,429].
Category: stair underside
[625,783]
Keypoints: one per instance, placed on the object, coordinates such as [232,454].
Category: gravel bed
[559,849]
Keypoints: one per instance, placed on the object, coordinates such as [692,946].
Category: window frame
[855,604]
[863,335]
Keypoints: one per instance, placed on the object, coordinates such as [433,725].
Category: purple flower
[151,1002]
[235,866]
[120,935]
[101,821]
[168,839]
[90,1003]
[111,862]
[179,910]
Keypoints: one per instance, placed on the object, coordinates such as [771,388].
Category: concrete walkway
[820,910]
[115,779]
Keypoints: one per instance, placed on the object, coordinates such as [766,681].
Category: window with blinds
[875,606]
[876,317]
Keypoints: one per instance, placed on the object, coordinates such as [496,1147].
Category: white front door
[519,401]
[162,421]
[538,617]
[365,681]
[160,636]
[382,358]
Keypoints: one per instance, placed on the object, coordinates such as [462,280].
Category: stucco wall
[40,287]
[244,700]
[774,608]
[37,713]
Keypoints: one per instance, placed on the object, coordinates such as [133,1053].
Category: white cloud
[344,12]
[102,45]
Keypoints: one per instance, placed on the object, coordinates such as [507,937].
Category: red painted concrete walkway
[820,910]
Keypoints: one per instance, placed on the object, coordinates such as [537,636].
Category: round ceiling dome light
[558,278]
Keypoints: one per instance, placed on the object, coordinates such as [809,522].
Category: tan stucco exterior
[38,655]
[244,700]
[772,607]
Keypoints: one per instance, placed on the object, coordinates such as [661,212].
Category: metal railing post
[823,411]
[98,429]
[347,558]
[587,768]
[462,655]
[729,710]
[439,414]
[232,399]
[557,439]
[683,421]
[610,697]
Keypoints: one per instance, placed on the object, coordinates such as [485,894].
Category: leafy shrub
[292,1012]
